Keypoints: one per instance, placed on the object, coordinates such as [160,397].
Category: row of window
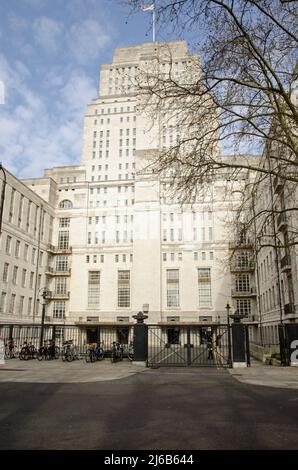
[103,219]
[127,153]
[9,304]
[124,258]
[26,214]
[18,249]
[95,239]
[173,293]
[199,235]
[15,276]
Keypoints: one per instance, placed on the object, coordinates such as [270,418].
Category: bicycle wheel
[40,354]
[57,352]
[113,356]
[100,355]
[88,356]
[69,356]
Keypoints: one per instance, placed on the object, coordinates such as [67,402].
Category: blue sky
[50,54]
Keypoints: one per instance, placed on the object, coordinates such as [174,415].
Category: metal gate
[189,345]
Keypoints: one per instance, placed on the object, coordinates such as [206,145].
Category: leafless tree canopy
[239,98]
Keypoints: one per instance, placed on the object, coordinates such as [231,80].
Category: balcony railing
[59,296]
[244,292]
[50,271]
[242,267]
[58,250]
[240,243]
[289,308]
[285,263]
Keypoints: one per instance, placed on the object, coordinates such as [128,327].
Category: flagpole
[153,22]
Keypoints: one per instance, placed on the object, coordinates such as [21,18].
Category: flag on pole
[147,7]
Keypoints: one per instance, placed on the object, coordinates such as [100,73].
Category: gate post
[140,339]
[239,342]
[292,343]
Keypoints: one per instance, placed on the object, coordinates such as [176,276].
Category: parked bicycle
[28,351]
[10,351]
[95,352]
[116,352]
[48,351]
[69,351]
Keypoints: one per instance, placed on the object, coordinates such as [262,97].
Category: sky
[50,55]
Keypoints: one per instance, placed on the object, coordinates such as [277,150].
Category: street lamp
[2,195]
[229,333]
[46,295]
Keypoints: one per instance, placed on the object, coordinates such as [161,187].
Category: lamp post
[229,333]
[45,294]
[2,195]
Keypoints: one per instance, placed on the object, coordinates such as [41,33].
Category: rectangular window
[15,275]
[2,301]
[17,250]
[204,284]
[33,255]
[242,283]
[29,310]
[31,280]
[243,307]
[12,303]
[123,288]
[93,289]
[21,305]
[61,263]
[5,272]
[60,285]
[59,309]
[26,249]
[172,287]
[64,222]
[63,239]
[8,245]
[24,274]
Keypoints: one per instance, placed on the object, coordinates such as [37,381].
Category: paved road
[155,409]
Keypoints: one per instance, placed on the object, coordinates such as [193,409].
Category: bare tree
[239,98]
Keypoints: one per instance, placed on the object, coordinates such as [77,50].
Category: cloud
[78,91]
[86,39]
[47,33]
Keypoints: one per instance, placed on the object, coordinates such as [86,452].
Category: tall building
[117,239]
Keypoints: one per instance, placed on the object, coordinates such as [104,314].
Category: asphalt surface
[154,409]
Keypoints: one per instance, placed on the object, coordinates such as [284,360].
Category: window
[65,204]
[17,250]
[5,272]
[123,288]
[12,303]
[64,222]
[164,256]
[195,255]
[59,309]
[24,274]
[8,245]
[60,285]
[93,289]
[21,305]
[29,309]
[63,239]
[2,301]
[31,280]
[15,275]
[242,283]
[26,249]
[172,288]
[204,283]
[61,263]
[244,307]
[33,255]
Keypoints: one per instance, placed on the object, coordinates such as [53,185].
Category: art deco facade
[111,238]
